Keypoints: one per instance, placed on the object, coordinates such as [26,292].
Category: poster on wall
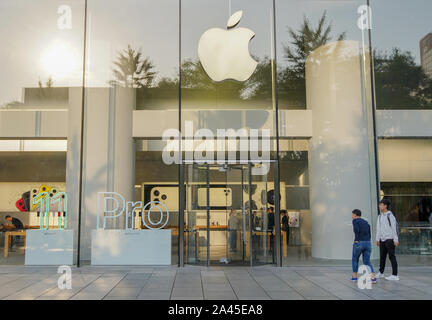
[26,202]
[294,219]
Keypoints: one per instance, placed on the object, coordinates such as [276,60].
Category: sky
[33,47]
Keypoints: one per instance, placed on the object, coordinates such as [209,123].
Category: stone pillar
[109,154]
[341,157]
[73,161]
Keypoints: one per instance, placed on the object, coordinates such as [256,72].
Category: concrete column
[108,154]
[341,157]
[73,160]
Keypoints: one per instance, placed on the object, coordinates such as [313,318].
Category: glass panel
[302,27]
[297,229]
[216,226]
[406,180]
[131,98]
[196,215]
[402,41]
[41,63]
[156,181]
[228,83]
[227,100]
[236,214]
[324,66]
[262,206]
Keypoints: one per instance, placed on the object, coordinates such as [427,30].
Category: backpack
[397,225]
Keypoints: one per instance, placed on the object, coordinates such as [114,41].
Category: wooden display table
[8,235]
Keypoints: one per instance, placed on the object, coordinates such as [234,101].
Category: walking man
[362,245]
[387,239]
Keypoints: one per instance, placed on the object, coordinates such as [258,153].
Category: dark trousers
[232,239]
[272,246]
[388,247]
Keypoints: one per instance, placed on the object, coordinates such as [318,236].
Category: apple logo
[224,54]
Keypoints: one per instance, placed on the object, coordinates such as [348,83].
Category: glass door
[215,216]
[261,204]
[228,216]
[237,234]
[196,214]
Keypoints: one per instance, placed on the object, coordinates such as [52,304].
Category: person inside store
[270,228]
[14,225]
[285,224]
[413,214]
[232,227]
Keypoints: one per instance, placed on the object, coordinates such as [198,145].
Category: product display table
[8,235]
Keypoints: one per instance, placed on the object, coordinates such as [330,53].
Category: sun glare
[60,60]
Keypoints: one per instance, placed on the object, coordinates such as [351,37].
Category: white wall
[293,123]
[405,160]
[32,124]
[404,123]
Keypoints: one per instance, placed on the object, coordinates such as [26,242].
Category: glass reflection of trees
[400,83]
[292,78]
[133,70]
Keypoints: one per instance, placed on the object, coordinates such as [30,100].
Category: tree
[196,84]
[133,70]
[401,83]
[260,84]
[306,40]
[292,79]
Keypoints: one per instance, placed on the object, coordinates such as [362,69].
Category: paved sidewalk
[196,283]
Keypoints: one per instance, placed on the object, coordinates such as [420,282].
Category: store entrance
[226,220]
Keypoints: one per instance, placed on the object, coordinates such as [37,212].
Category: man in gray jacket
[387,239]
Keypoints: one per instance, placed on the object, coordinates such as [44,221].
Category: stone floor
[195,283]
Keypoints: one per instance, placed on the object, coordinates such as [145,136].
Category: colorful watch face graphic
[47,202]
[42,189]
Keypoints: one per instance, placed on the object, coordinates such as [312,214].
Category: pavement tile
[154,295]
[216,283]
[120,292]
[285,295]
[132,283]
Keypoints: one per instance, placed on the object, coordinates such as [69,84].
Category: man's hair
[283,211]
[8,216]
[357,212]
[386,202]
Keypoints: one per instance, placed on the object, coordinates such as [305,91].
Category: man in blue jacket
[362,244]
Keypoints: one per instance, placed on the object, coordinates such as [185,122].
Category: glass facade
[143,132]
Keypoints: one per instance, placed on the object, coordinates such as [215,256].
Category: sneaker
[354,279]
[374,280]
[393,278]
[380,275]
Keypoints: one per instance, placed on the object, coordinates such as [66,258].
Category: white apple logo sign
[224,54]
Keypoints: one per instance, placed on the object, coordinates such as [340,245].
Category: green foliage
[292,79]
[305,40]
[133,70]
[400,83]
